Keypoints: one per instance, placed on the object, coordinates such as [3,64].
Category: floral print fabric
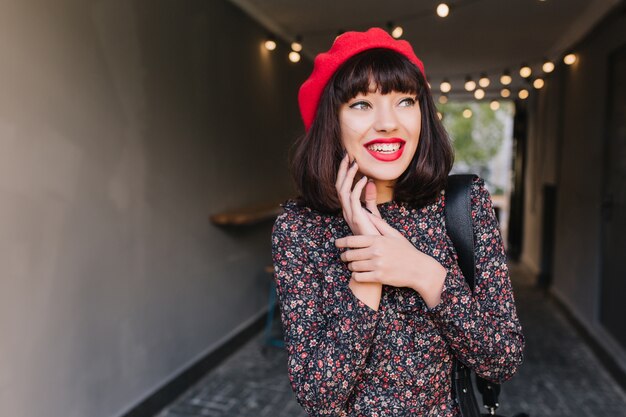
[346,359]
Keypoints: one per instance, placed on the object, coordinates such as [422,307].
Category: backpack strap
[458,214]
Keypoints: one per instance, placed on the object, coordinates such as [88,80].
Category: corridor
[560,376]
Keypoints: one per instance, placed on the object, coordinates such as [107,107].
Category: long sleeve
[327,342]
[482,328]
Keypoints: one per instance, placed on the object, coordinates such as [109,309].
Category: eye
[360,105]
[407,102]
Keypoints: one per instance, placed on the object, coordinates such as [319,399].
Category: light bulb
[538,83]
[397,32]
[505,79]
[443,99]
[294,56]
[270,44]
[470,85]
[569,59]
[443,10]
[523,94]
[296,46]
[467,113]
[494,105]
[479,94]
[484,81]
[548,66]
[525,71]
[505,92]
[445,86]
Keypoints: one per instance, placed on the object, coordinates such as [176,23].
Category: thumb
[384,228]
[370,198]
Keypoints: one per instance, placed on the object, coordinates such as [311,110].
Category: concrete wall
[566,147]
[123,125]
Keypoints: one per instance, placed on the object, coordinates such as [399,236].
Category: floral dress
[346,359]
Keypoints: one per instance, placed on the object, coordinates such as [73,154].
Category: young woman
[373,303]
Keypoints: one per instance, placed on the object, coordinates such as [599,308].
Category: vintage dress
[345,359]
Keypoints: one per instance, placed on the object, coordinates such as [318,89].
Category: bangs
[383,69]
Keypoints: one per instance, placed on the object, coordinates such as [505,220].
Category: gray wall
[566,147]
[123,125]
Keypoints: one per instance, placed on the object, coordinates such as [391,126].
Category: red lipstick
[384,154]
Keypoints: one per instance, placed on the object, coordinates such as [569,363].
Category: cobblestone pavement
[560,376]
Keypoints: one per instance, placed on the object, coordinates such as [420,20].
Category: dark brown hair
[316,155]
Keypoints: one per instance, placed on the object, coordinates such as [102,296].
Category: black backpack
[459,227]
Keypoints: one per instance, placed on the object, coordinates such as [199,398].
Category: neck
[384,190]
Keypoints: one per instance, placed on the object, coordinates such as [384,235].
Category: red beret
[344,47]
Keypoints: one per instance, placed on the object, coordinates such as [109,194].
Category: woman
[373,303]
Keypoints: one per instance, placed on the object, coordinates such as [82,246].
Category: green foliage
[476,139]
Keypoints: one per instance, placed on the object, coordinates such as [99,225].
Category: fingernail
[368,210]
[353,162]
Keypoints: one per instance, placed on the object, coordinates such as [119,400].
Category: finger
[355,196]
[344,189]
[341,172]
[370,198]
[357,241]
[360,266]
[356,255]
[384,228]
[369,276]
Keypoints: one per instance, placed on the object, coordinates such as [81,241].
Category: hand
[390,259]
[350,198]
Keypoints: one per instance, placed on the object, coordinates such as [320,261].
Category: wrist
[430,283]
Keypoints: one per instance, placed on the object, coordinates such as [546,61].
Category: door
[613,278]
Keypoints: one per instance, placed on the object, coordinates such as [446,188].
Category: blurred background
[143,154]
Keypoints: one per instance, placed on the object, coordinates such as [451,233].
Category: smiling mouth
[386,150]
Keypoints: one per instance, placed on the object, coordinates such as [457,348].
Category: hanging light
[494,105]
[538,83]
[296,45]
[470,85]
[270,43]
[395,30]
[443,99]
[505,78]
[445,86]
[523,94]
[570,58]
[479,94]
[525,71]
[467,113]
[484,81]
[443,10]
[294,56]
[548,66]
[505,92]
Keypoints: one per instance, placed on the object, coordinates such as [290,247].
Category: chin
[383,174]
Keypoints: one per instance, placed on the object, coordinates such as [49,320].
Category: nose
[386,120]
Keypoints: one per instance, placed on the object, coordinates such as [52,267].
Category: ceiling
[478,36]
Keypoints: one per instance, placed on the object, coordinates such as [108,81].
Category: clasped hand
[378,253]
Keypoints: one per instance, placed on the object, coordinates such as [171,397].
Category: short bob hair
[315,157]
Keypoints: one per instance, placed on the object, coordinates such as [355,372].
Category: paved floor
[560,376]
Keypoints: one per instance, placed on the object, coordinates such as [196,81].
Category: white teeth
[384,147]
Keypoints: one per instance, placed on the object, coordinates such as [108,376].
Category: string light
[470,85]
[443,99]
[270,43]
[548,66]
[538,83]
[443,10]
[479,94]
[445,86]
[484,81]
[294,56]
[296,45]
[505,78]
[505,92]
[467,113]
[525,71]
[523,94]
[395,30]
[570,58]
[494,105]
